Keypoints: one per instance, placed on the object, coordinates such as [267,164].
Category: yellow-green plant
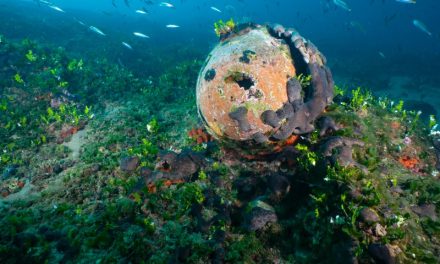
[222,28]
[75,65]
[31,56]
[145,149]
[432,121]
[307,158]
[398,107]
[304,80]
[88,112]
[3,105]
[153,126]
[75,117]
[18,79]
[63,84]
[360,99]
[23,121]
[339,91]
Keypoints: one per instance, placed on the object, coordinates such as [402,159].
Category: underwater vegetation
[99,165]
[222,29]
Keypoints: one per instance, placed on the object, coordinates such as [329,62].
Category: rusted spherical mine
[247,90]
[248,71]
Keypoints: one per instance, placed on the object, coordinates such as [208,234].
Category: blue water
[366,46]
[363,29]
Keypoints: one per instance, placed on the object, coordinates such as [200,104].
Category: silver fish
[381,54]
[342,5]
[165,4]
[419,24]
[141,35]
[216,9]
[142,12]
[57,8]
[128,46]
[96,30]
[172,26]
[79,21]
[406,1]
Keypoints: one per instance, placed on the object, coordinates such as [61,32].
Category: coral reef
[199,135]
[408,162]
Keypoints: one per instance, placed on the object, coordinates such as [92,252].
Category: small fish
[172,26]
[406,1]
[141,12]
[45,2]
[57,8]
[381,54]
[128,46]
[96,30]
[79,21]
[138,34]
[419,24]
[165,4]
[358,26]
[216,9]
[342,5]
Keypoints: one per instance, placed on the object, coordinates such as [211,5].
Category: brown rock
[279,185]
[426,210]
[176,167]
[382,253]
[344,252]
[379,230]
[260,216]
[129,164]
[369,216]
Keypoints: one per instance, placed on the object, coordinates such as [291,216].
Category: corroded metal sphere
[249,70]
[243,87]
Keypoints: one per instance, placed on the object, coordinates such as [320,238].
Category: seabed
[101,166]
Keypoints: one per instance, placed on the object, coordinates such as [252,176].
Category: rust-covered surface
[249,70]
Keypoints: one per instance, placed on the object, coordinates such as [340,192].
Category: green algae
[93,214]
